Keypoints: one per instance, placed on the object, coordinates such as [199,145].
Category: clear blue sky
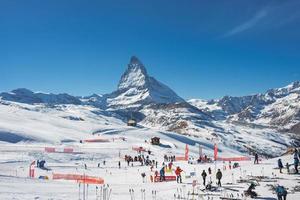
[201,49]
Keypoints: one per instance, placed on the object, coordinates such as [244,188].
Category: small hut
[131,122]
[155,141]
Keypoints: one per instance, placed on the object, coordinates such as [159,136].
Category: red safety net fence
[138,149]
[79,178]
[60,150]
[49,149]
[235,159]
[186,155]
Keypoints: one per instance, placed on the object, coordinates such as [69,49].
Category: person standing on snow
[219,177]
[143,176]
[280,165]
[296,154]
[256,158]
[178,174]
[204,175]
[287,168]
[296,163]
[209,171]
[119,164]
[162,174]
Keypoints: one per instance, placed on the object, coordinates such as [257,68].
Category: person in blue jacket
[162,174]
[280,165]
[281,192]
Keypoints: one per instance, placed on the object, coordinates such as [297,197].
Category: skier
[281,192]
[204,175]
[219,177]
[296,163]
[256,158]
[280,165]
[178,174]
[119,164]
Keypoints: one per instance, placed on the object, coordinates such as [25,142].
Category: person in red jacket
[178,174]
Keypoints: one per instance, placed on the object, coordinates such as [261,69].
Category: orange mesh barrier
[79,178]
[183,158]
[91,181]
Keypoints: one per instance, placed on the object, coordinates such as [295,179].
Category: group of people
[296,163]
[219,176]
[171,158]
[281,191]
[204,159]
[141,159]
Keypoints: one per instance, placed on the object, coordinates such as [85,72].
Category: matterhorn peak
[136,87]
[135,75]
[135,61]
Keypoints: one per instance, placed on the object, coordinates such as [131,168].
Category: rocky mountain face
[278,108]
[137,89]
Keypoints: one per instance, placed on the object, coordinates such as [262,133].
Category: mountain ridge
[137,93]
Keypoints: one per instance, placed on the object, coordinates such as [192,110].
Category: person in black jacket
[219,177]
[204,175]
[256,158]
[280,165]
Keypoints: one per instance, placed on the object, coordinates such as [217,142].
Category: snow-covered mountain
[278,108]
[23,95]
[251,123]
[136,88]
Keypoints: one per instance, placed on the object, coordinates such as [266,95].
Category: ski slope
[16,158]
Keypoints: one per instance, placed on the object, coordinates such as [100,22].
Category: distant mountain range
[155,105]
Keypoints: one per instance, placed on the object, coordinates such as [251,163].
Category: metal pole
[79,191]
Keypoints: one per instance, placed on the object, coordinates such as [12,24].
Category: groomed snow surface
[26,130]
[16,158]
